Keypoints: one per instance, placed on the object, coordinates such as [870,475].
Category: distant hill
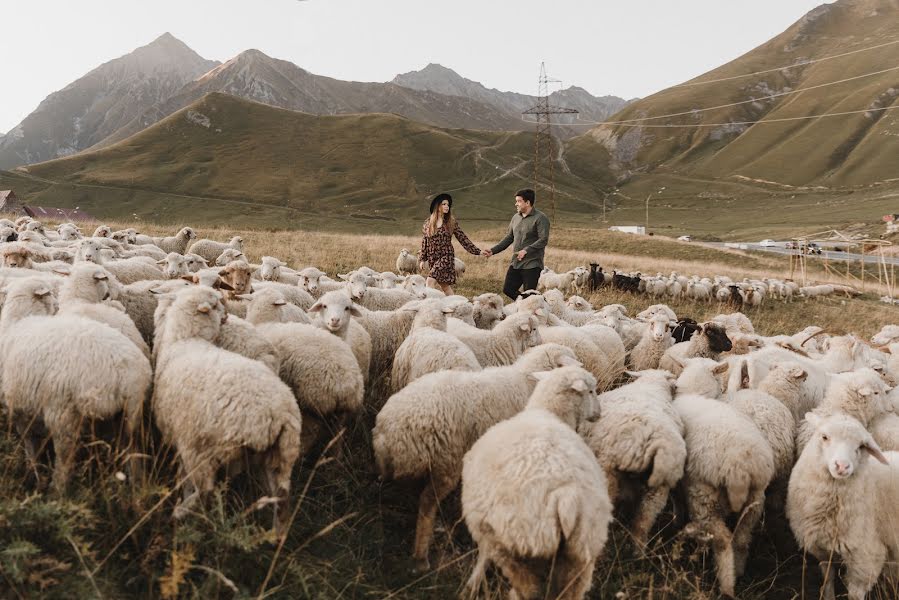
[437,78]
[100,103]
[223,157]
[851,150]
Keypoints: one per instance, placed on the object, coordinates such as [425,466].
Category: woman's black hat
[440,198]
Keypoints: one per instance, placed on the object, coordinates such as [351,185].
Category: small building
[10,203]
[636,229]
[42,213]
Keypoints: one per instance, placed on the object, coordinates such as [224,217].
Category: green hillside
[224,158]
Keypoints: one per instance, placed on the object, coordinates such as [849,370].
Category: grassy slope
[351,535]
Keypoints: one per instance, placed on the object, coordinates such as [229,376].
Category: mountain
[100,103]
[439,79]
[850,150]
[253,75]
[223,157]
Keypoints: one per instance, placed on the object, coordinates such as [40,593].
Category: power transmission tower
[543,142]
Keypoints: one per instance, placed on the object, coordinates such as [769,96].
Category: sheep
[542,525]
[140,304]
[417,285]
[551,280]
[210,249]
[60,371]
[579,304]
[374,298]
[657,309]
[273,269]
[406,263]
[237,275]
[86,292]
[387,330]
[886,336]
[292,293]
[174,265]
[463,310]
[656,340]
[269,306]
[388,280]
[629,330]
[312,280]
[640,433]
[841,504]
[458,267]
[423,431]
[501,345]
[211,404]
[729,467]
[334,312]
[709,341]
[195,262]
[228,255]
[488,310]
[735,322]
[126,271]
[8,234]
[176,243]
[556,302]
[429,349]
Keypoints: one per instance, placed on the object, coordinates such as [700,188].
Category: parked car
[685,238]
[790,245]
[767,243]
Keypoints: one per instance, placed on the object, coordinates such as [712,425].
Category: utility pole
[543,143]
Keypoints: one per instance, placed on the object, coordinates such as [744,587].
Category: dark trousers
[516,278]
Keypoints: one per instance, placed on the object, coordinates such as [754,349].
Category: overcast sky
[625,48]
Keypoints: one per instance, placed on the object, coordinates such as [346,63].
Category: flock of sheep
[550,414]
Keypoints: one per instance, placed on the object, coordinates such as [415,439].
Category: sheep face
[335,309]
[569,393]
[17,258]
[658,328]
[717,336]
[88,251]
[8,234]
[103,231]
[195,262]
[229,255]
[887,335]
[187,232]
[237,275]
[843,444]
[356,285]
[92,280]
[69,234]
[270,269]
[173,266]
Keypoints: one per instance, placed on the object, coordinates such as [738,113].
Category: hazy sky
[626,48]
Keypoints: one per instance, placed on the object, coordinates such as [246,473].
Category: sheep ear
[100,276]
[567,361]
[722,368]
[539,375]
[279,302]
[343,276]
[873,449]
[204,307]
[580,386]
[191,278]
[161,262]
[225,286]
[865,391]
[61,270]
[317,307]
[448,310]
[42,291]
[744,375]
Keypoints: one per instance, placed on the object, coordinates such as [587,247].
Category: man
[529,230]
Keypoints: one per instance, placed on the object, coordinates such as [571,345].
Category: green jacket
[529,233]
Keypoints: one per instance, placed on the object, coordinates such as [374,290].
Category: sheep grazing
[406,263]
[656,340]
[71,370]
[729,467]
[211,250]
[334,312]
[639,442]
[424,430]
[543,526]
[709,341]
[176,243]
[842,505]
[501,345]
[212,405]
[488,310]
[429,348]
[273,269]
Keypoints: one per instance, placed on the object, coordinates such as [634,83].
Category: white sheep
[429,348]
[656,340]
[269,306]
[174,265]
[195,262]
[211,250]
[843,505]
[62,371]
[176,243]
[729,466]
[501,345]
[273,269]
[579,304]
[315,282]
[406,263]
[886,336]
[657,309]
[543,526]
[387,330]
[424,430]
[140,303]
[211,405]
[374,298]
[556,302]
[292,293]
[126,271]
[640,434]
[228,255]
[488,310]
[334,312]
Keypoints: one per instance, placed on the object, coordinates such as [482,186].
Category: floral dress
[437,250]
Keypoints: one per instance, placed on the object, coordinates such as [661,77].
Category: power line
[784,68]
[778,120]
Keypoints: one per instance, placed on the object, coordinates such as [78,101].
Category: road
[828,254]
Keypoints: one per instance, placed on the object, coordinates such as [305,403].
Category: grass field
[351,535]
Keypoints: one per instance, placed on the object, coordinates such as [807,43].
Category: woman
[437,244]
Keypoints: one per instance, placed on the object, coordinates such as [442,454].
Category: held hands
[486,253]
[521,254]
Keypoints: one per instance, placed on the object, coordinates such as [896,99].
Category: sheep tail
[738,486]
[667,465]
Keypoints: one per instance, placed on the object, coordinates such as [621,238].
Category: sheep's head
[196,311]
[356,284]
[388,280]
[88,251]
[658,328]
[567,392]
[664,379]
[30,296]
[237,275]
[195,262]
[103,231]
[266,306]
[90,283]
[309,279]
[16,256]
[842,444]
[525,326]
[236,242]
[404,253]
[188,233]
[334,310]
[270,269]
[173,265]
[229,255]
[717,337]
[8,234]
[36,227]
[579,304]
[887,335]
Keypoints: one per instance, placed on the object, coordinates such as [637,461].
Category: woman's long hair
[449,221]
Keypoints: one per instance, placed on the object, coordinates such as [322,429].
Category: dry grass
[352,534]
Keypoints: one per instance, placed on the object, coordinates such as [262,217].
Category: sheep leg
[280,463]
[22,424]
[65,431]
[863,569]
[572,578]
[652,504]
[525,583]
[828,573]
[200,480]
[702,500]
[309,434]
[436,489]
[745,526]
